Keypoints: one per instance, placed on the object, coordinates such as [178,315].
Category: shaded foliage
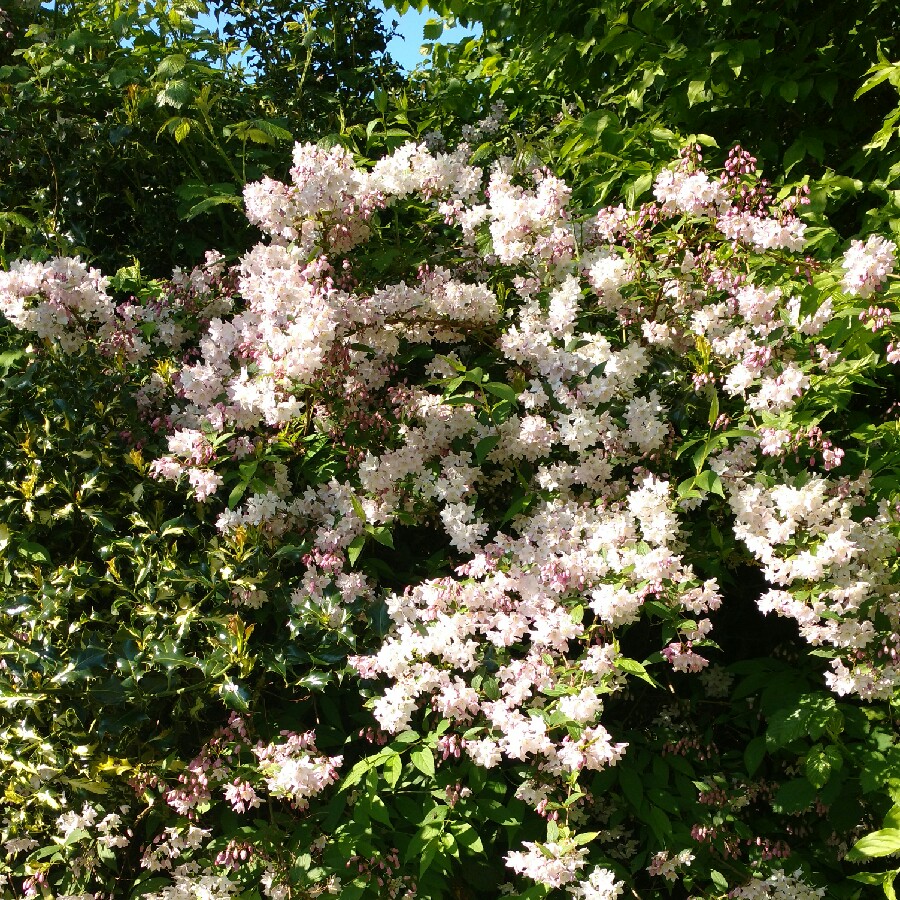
[128,130]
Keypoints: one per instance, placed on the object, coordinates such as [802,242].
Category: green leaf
[586,837]
[754,754]
[358,508]
[878,843]
[8,218]
[171,65]
[164,653]
[882,72]
[503,391]
[258,136]
[484,447]
[175,93]
[392,770]
[235,696]
[210,203]
[696,92]
[817,767]
[794,796]
[632,787]
[316,680]
[236,493]
[789,90]
[382,534]
[633,667]
[468,837]
[10,358]
[355,548]
[423,759]
[379,812]
[433,29]
[710,482]
[270,128]
[813,715]
[427,856]
[713,405]
[638,188]
[35,552]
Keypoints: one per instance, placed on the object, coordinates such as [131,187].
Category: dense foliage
[466,536]
[119,121]
[618,84]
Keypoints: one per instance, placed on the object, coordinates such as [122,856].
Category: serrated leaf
[316,680]
[270,128]
[432,29]
[176,94]
[171,65]
[817,767]
[235,696]
[258,136]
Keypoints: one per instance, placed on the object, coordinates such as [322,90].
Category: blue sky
[405,47]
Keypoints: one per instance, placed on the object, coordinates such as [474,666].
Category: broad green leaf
[393,768]
[484,447]
[433,29]
[355,548]
[503,391]
[754,753]
[175,93]
[878,843]
[423,759]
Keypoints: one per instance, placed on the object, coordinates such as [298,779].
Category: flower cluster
[61,300]
[803,534]
[778,886]
[294,769]
[867,265]
[556,403]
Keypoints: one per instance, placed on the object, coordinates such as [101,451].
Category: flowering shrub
[485,489]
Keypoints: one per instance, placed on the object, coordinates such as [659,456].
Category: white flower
[867,265]
[551,864]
